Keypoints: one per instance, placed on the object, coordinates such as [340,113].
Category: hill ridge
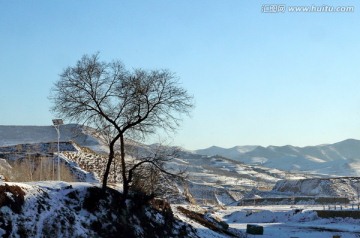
[340,158]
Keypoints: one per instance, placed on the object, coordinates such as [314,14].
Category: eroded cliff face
[342,187]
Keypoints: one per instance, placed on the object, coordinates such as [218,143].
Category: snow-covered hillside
[338,159]
[58,209]
[335,187]
[14,135]
[218,180]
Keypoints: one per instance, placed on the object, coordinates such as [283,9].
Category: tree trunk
[108,165]
[123,168]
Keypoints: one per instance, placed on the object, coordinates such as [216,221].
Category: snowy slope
[218,180]
[336,187]
[59,209]
[13,135]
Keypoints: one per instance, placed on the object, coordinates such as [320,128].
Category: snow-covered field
[277,222]
[290,221]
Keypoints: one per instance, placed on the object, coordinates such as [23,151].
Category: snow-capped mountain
[338,159]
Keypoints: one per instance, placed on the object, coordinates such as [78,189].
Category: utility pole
[357,189]
[57,123]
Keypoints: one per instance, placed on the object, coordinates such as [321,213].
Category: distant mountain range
[338,159]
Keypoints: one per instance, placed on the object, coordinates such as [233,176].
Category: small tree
[119,104]
[150,173]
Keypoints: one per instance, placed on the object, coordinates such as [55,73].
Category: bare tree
[151,174]
[121,104]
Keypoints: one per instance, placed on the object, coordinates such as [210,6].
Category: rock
[254,229]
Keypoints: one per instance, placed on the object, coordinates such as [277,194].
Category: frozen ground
[289,221]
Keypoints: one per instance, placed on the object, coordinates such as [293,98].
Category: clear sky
[257,78]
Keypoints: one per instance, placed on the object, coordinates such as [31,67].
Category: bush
[12,196]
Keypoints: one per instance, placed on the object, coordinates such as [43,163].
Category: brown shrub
[161,205]
[12,196]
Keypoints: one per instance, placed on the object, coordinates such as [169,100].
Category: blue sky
[257,78]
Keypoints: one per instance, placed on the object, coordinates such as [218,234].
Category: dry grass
[37,169]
